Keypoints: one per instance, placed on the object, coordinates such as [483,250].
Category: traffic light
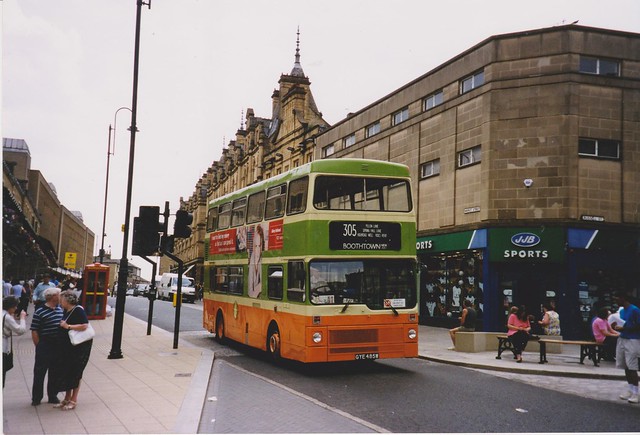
[182,225]
[166,244]
[146,228]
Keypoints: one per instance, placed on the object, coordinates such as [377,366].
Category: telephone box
[94,295]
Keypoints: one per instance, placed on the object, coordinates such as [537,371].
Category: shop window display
[596,288]
[447,281]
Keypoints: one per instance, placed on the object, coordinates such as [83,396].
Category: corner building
[525,157]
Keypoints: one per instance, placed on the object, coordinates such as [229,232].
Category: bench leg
[595,357]
[500,349]
[543,352]
[589,351]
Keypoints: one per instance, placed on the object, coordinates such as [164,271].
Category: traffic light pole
[176,326]
[152,292]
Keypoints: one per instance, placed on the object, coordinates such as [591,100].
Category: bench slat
[576,342]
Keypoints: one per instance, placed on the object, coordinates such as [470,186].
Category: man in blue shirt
[628,347]
[38,292]
[44,332]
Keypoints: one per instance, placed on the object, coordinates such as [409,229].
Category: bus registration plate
[367,356]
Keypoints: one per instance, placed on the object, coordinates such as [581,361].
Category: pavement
[157,389]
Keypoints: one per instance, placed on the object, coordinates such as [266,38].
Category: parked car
[142,289]
[132,291]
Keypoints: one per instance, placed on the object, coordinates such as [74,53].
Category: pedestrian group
[60,332]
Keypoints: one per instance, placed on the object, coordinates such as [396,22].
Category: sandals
[69,406]
[62,404]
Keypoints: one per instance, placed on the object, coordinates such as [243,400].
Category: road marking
[371,426]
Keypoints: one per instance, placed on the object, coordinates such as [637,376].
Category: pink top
[599,327]
[513,320]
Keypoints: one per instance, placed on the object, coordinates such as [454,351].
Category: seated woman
[604,334]
[519,328]
[550,321]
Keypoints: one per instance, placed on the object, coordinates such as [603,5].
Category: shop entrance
[528,284]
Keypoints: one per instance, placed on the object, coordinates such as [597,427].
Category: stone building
[38,229]
[262,147]
[525,156]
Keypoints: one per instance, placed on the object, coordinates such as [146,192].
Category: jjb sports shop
[576,269]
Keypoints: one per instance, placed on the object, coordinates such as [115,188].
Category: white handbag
[77,337]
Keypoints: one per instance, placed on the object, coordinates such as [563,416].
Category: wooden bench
[588,349]
[504,343]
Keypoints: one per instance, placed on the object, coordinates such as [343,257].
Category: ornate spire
[297,68]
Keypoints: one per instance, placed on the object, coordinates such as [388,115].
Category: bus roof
[327,166]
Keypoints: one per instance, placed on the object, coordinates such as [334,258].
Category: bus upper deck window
[238,213]
[255,207]
[212,218]
[224,216]
[297,202]
[276,197]
[355,193]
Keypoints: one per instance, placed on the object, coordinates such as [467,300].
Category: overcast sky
[67,66]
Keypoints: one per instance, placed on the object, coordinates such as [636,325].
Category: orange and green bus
[316,264]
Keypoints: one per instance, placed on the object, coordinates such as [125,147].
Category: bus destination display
[369,236]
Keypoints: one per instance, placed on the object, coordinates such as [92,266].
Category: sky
[67,67]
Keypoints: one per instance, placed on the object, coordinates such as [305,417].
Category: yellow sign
[70,260]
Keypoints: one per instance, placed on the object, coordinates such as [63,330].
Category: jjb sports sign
[526,244]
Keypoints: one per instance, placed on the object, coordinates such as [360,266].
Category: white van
[169,285]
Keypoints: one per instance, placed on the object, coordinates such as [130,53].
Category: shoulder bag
[7,358]
[78,337]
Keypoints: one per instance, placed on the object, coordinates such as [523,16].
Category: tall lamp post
[106,183]
[116,343]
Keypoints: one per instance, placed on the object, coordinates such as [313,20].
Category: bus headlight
[412,334]
[317,337]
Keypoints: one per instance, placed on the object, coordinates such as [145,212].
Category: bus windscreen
[333,192]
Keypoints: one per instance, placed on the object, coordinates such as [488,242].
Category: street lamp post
[106,183]
[116,343]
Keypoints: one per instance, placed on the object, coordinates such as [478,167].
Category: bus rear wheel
[273,343]
[220,328]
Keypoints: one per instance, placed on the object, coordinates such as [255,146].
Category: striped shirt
[46,321]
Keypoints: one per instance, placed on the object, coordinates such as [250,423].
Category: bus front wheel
[273,342]
[219,328]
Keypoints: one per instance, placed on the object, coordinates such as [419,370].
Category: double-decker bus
[317,264]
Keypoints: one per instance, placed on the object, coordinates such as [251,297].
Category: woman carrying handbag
[9,326]
[73,358]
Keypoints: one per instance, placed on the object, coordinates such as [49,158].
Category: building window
[602,67]
[430,169]
[601,148]
[469,156]
[433,100]
[327,151]
[473,81]
[372,129]
[400,116]
[349,140]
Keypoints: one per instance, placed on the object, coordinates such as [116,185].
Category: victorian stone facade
[263,147]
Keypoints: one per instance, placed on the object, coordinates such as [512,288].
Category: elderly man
[44,332]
